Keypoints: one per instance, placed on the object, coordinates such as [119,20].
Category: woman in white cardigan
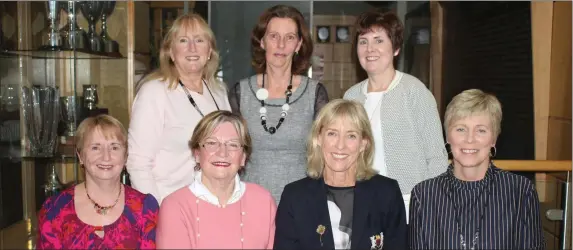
[408,139]
[168,106]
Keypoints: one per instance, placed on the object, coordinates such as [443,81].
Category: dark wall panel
[488,46]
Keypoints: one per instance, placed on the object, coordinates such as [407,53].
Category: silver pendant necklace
[458,212]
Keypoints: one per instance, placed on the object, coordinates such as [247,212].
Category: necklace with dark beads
[262,95]
[99,208]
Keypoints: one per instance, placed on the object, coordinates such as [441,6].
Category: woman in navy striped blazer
[474,204]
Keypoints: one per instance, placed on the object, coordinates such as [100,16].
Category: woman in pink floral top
[100,213]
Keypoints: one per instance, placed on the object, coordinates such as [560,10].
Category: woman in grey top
[279,103]
[409,144]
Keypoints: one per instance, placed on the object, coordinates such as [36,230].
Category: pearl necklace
[262,95]
[198,235]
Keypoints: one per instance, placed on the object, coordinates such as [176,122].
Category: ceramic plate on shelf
[342,34]
[323,34]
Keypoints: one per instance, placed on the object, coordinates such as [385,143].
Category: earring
[209,58]
[494,152]
[446,146]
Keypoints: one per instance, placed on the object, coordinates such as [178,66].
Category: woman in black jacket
[343,203]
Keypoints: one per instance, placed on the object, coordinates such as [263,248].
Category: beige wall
[551,42]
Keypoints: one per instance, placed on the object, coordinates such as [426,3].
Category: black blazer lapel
[361,210]
[322,217]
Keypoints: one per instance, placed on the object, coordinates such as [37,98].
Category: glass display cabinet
[60,62]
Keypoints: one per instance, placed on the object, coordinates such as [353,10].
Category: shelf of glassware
[74,68]
[61,54]
[71,69]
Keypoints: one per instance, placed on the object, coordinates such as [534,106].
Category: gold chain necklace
[101,209]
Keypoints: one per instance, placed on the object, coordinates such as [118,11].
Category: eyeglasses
[213,145]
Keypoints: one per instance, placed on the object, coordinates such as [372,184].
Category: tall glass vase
[41,109]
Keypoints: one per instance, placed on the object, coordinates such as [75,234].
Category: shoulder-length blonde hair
[167,71]
[354,113]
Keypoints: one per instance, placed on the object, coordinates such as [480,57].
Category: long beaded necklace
[262,95]
[192,101]
[102,210]
[198,236]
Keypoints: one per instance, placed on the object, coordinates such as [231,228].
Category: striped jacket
[413,139]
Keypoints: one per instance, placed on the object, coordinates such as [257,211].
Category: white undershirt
[372,106]
[200,190]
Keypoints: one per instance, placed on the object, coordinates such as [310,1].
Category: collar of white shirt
[203,193]
[397,78]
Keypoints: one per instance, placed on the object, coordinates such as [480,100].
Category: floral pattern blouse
[60,227]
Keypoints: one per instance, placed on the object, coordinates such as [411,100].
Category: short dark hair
[389,21]
[301,62]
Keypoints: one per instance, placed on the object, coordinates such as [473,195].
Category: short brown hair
[389,21]
[207,125]
[109,126]
[300,62]
[356,114]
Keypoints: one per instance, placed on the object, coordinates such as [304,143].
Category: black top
[340,208]
[378,207]
[502,209]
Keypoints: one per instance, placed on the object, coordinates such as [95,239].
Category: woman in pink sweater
[168,105]
[218,211]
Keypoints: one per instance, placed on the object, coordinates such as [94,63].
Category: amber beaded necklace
[99,208]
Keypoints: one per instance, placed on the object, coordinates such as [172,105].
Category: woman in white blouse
[168,106]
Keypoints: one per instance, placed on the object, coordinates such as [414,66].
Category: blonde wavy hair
[354,113]
[167,71]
